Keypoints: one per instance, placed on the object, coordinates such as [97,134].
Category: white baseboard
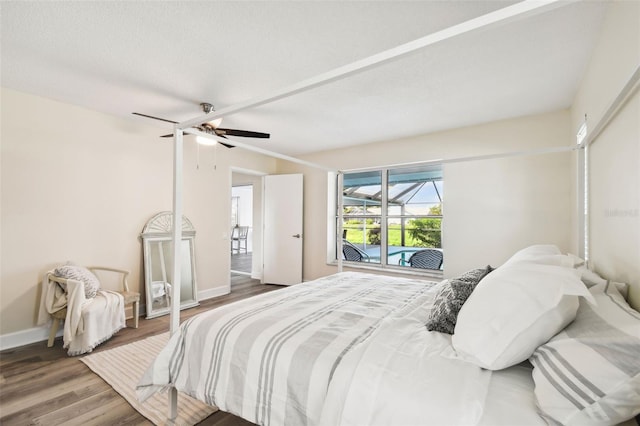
[213,292]
[40,334]
[26,337]
[34,335]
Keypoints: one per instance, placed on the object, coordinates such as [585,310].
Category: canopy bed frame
[508,14]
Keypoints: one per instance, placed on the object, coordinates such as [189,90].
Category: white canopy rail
[502,16]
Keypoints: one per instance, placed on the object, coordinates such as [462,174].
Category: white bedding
[348,349]
[510,398]
[401,379]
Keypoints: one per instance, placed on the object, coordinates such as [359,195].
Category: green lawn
[354,235]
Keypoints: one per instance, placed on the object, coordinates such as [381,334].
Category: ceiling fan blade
[154,118]
[218,131]
[243,133]
[225,144]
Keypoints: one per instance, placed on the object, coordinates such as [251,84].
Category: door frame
[256,268]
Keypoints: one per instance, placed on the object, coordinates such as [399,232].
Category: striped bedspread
[271,358]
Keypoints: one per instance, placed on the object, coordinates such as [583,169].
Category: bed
[355,348]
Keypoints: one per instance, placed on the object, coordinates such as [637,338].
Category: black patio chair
[426,259]
[352,253]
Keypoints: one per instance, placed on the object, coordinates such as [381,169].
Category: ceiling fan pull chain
[197,156]
[215,157]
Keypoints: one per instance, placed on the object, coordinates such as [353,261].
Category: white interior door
[282,236]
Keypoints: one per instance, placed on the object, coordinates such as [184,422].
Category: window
[391,214]
[235,201]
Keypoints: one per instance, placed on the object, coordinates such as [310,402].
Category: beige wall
[614,157]
[491,207]
[79,185]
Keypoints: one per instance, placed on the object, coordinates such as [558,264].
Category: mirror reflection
[157,246]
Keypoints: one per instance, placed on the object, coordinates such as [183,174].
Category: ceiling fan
[212,128]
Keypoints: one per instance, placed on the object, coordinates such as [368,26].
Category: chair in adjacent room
[239,239]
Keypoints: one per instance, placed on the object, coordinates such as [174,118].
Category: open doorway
[242,228]
[246,211]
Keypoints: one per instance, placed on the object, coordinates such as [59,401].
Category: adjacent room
[269,209]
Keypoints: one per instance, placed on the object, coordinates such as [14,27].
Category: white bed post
[583,156]
[340,219]
[178,150]
[177,230]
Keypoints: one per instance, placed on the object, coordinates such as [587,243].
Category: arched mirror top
[162,224]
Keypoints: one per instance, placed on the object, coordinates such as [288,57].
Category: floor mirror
[157,251]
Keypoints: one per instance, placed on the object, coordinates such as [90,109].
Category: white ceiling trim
[498,17]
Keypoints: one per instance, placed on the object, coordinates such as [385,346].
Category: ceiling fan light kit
[211,127]
[205,141]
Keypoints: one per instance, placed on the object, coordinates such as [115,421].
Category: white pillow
[538,250]
[544,254]
[589,374]
[515,309]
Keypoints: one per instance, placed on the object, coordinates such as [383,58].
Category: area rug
[122,368]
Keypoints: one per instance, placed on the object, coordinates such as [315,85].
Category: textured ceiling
[164,58]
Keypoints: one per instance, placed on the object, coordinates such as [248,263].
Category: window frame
[334,225]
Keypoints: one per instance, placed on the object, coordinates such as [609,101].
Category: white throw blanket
[89,322]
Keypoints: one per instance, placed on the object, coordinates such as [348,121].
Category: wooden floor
[241,262]
[44,386]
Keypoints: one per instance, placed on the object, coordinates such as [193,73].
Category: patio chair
[425,259]
[352,253]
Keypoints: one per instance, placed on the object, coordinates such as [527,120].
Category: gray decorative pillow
[450,299]
[82,274]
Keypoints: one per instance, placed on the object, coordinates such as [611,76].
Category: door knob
[297,236]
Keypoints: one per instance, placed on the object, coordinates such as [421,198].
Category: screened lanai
[388,214]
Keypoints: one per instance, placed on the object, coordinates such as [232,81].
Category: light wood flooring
[44,386]
[241,262]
